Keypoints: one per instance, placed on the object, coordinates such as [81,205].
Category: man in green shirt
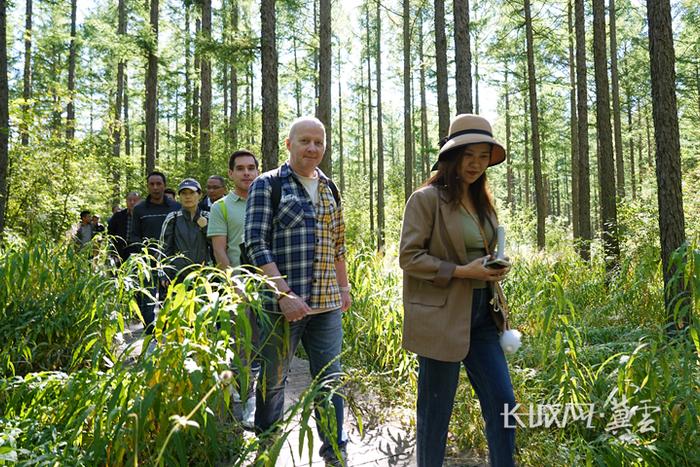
[226,220]
[226,225]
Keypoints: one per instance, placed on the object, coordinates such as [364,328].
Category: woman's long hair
[448,180]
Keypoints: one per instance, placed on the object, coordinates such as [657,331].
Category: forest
[597,103]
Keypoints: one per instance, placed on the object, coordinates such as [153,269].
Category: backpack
[276,184]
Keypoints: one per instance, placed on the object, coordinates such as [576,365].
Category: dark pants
[321,335]
[487,370]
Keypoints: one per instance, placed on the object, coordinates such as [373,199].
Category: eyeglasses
[214,187]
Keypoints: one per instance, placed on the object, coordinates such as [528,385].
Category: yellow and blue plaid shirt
[304,240]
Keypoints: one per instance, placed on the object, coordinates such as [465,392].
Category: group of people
[290,223]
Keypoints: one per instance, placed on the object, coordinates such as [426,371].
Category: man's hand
[293,307]
[346,300]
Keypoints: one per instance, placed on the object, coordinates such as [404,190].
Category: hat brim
[498,152]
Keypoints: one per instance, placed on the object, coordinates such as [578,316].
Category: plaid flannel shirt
[303,240]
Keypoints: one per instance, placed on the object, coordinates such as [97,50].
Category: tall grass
[70,396]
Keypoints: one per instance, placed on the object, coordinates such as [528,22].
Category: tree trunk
[341,162]
[127,134]
[117,124]
[196,89]
[323,112]
[205,115]
[270,116]
[441,69]
[463,58]
[584,196]
[423,101]
[614,81]
[70,108]
[27,77]
[407,121]
[4,115]
[188,88]
[526,149]
[476,65]
[631,143]
[380,136]
[509,159]
[573,124]
[668,159]
[152,90]
[534,122]
[369,120]
[233,119]
[606,163]
[297,81]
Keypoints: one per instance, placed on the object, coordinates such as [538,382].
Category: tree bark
[323,112]
[380,135]
[584,196]
[534,122]
[4,116]
[509,159]
[606,162]
[668,159]
[127,133]
[205,112]
[369,120]
[341,161]
[152,91]
[270,115]
[573,125]
[615,83]
[188,88]
[72,52]
[407,121]
[631,143]
[196,92]
[117,124]
[27,77]
[441,69]
[423,101]
[463,57]
[233,119]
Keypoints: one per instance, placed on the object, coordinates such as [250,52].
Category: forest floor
[388,437]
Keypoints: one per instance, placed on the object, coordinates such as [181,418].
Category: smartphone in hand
[496,263]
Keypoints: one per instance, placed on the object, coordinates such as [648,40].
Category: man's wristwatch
[283,293]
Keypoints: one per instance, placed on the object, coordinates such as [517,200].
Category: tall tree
[72,53]
[615,83]
[117,124]
[380,133]
[323,111]
[463,58]
[205,112]
[407,121]
[606,164]
[573,123]
[668,152]
[423,100]
[584,196]
[4,115]
[196,93]
[27,77]
[534,123]
[270,113]
[233,119]
[368,55]
[509,160]
[341,162]
[188,87]
[152,89]
[441,69]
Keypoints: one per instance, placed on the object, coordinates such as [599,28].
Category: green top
[473,240]
[229,223]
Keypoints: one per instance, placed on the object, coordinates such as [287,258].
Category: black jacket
[117,228]
[149,217]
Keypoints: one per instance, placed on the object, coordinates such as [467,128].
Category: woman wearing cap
[184,232]
[449,321]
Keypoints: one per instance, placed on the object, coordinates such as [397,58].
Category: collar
[235,196]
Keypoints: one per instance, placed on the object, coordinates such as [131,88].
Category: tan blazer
[437,306]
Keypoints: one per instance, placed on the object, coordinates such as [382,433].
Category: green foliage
[84,396]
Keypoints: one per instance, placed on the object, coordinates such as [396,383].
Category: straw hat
[469,129]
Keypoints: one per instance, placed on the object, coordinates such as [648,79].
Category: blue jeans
[487,370]
[322,336]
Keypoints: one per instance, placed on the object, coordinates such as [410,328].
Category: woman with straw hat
[448,229]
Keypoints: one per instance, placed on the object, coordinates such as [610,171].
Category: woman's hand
[476,270]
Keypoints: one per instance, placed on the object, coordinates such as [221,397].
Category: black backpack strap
[276,184]
[334,189]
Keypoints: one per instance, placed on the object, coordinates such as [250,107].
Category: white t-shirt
[311,186]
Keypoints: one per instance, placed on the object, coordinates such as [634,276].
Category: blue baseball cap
[191,184]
